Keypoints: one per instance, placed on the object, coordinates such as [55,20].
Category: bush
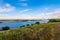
[22,26]
[1,22]
[54,20]
[5,28]
[32,24]
[37,23]
[27,25]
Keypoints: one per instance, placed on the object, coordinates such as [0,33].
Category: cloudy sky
[29,9]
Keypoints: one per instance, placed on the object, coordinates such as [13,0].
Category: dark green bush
[54,20]
[32,24]
[37,23]
[22,26]
[27,25]
[5,28]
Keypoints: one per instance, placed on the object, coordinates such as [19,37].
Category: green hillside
[47,31]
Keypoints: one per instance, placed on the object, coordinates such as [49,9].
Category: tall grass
[48,31]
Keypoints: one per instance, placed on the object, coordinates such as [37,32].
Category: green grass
[46,31]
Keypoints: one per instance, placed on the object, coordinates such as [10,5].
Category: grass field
[46,31]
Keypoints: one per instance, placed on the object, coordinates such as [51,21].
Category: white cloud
[7,16]
[25,10]
[7,5]
[7,8]
[49,15]
[23,4]
[46,9]
[55,14]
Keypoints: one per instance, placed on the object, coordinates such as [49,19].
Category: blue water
[17,24]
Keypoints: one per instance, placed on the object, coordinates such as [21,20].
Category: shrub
[54,20]
[1,22]
[37,23]
[5,28]
[32,24]
[22,26]
[27,25]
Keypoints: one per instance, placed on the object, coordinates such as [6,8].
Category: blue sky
[29,9]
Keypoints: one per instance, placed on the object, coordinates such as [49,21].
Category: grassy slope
[48,31]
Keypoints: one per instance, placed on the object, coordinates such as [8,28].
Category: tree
[5,28]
